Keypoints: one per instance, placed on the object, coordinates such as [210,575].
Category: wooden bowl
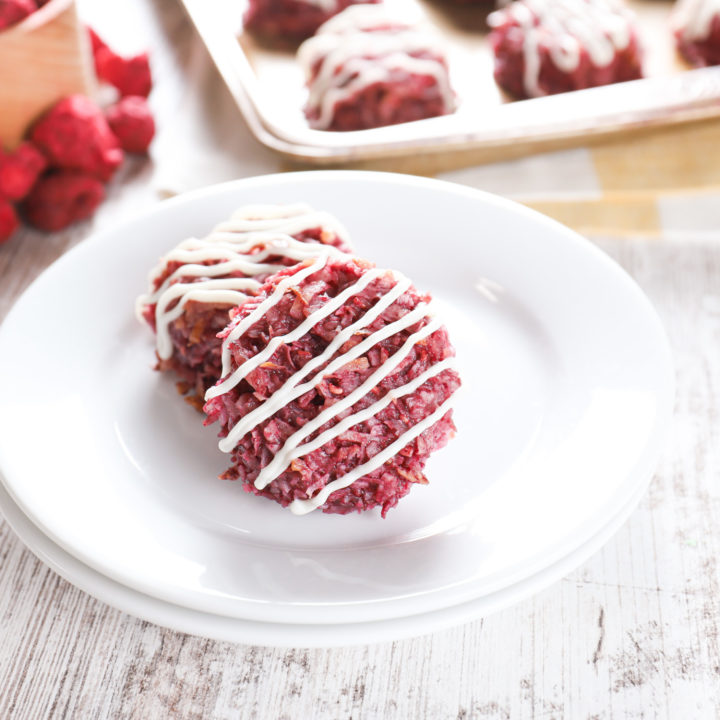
[42,59]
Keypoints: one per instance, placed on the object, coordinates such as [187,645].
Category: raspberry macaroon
[337,385]
[543,47]
[194,286]
[365,69]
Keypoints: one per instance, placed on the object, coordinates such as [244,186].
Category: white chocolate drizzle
[282,458]
[294,386]
[302,507]
[327,6]
[369,412]
[238,246]
[692,19]
[291,390]
[362,46]
[565,27]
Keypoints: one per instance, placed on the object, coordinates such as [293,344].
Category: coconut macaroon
[366,69]
[194,287]
[337,384]
[542,47]
[696,24]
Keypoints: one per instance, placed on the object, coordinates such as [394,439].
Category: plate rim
[287,635]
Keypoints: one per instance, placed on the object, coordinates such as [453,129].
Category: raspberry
[13,11]
[130,75]
[132,122]
[9,222]
[75,136]
[61,197]
[95,40]
[19,171]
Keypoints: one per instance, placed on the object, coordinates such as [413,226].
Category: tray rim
[687,96]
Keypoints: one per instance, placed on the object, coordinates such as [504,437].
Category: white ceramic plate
[567,390]
[221,627]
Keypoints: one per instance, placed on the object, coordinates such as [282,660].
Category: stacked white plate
[112,480]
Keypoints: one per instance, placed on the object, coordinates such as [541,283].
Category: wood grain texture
[632,634]
[42,59]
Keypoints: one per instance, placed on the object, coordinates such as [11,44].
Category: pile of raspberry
[57,175]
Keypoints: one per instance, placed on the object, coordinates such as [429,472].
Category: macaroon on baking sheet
[268,85]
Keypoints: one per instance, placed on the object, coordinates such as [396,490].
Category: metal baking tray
[268,86]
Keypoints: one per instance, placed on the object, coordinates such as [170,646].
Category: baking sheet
[268,85]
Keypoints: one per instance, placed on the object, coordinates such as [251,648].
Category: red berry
[62,197]
[75,135]
[131,120]
[95,40]
[19,170]
[131,75]
[9,222]
[13,11]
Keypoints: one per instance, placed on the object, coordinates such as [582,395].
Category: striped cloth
[661,181]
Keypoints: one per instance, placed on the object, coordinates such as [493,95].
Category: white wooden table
[633,633]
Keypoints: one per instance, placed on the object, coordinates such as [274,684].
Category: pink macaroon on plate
[567,391]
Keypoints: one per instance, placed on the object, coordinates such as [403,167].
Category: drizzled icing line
[240,329]
[288,219]
[293,388]
[231,246]
[327,309]
[363,415]
[302,507]
[360,47]
[282,458]
[209,291]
